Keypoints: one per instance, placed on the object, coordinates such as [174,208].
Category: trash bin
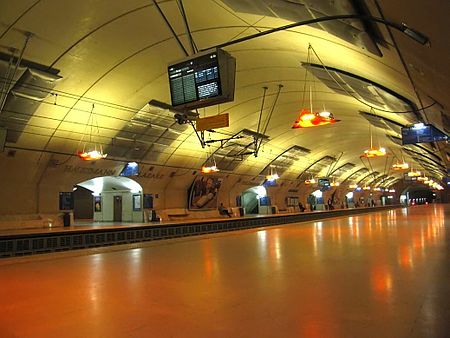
[66,219]
[154,217]
[241,211]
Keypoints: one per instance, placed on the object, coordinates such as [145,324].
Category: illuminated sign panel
[202,80]
[422,133]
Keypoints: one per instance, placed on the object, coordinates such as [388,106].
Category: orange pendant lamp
[210,165]
[373,151]
[414,173]
[308,117]
[91,151]
[92,155]
[400,166]
[310,180]
[209,169]
[272,176]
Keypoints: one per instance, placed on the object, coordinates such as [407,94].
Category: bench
[288,210]
[181,213]
[172,214]
[30,221]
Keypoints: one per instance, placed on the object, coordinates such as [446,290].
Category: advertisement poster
[97,203]
[65,201]
[203,193]
[136,202]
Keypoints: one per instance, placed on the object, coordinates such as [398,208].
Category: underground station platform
[35,241]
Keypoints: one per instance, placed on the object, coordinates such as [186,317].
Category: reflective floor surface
[384,274]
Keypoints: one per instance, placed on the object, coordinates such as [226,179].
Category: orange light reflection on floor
[405,257]
[381,282]
[208,261]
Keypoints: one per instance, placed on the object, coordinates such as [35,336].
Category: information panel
[422,133]
[202,80]
[65,201]
[323,184]
[130,169]
[212,122]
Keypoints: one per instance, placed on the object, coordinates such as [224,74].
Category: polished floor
[384,274]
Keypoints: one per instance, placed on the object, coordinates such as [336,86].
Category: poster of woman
[97,203]
[203,193]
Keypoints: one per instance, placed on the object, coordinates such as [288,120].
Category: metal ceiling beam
[284,152]
[342,166]
[354,173]
[376,180]
[368,175]
[412,33]
[314,163]
[170,27]
[186,24]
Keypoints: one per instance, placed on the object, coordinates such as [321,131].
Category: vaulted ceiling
[76,70]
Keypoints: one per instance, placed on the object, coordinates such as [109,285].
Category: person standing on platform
[311,201]
[301,207]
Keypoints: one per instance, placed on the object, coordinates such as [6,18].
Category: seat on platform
[30,221]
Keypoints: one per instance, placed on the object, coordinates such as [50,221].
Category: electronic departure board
[130,169]
[202,80]
[323,184]
[422,133]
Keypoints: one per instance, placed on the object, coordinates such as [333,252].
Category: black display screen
[148,201]
[195,79]
[65,201]
[422,133]
[130,169]
[323,184]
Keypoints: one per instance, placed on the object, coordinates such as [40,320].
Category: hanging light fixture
[272,177]
[310,180]
[373,151]
[91,155]
[90,151]
[308,117]
[335,184]
[414,173]
[211,167]
[400,166]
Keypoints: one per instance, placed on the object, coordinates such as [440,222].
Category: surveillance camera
[181,118]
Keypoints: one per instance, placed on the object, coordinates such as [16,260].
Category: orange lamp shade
[92,155]
[308,119]
[400,166]
[209,170]
[374,152]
